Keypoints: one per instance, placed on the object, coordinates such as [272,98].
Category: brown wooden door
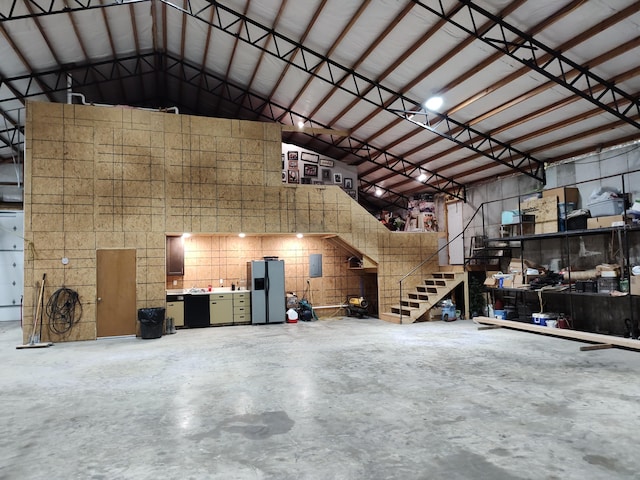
[116,293]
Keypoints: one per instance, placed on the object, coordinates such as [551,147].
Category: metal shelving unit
[591,311]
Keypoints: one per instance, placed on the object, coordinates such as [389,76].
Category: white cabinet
[175,310]
[221,309]
[242,308]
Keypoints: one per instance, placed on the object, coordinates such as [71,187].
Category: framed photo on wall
[326,174]
[325,162]
[348,183]
[293,164]
[310,170]
[293,176]
[337,178]
[292,155]
[309,157]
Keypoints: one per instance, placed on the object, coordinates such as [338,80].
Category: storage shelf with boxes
[575,248]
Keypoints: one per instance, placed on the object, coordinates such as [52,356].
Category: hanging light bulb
[422,177]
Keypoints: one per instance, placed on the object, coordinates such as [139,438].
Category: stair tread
[405,307]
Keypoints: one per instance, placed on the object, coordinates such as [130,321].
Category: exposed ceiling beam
[352,21]
[92,74]
[241,26]
[262,53]
[9,9]
[267,109]
[393,102]
[80,42]
[432,68]
[110,70]
[316,130]
[389,197]
[294,52]
[389,28]
[525,49]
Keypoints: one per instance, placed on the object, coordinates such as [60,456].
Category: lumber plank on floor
[562,332]
[597,346]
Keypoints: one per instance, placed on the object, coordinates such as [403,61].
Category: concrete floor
[335,399]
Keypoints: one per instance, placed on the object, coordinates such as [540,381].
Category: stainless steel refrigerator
[266,281]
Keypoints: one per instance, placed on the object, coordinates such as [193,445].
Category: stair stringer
[415,306]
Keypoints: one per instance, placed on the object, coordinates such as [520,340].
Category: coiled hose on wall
[64,310]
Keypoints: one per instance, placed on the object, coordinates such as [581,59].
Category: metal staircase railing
[430,257]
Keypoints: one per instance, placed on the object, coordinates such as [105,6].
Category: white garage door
[11,264]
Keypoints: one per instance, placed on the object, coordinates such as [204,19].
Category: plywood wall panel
[122,178]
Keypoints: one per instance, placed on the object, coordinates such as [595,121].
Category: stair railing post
[400,302]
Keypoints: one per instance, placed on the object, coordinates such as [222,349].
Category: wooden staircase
[416,303]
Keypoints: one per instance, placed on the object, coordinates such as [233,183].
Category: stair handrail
[414,269]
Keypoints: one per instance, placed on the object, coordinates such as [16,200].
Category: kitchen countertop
[201,291]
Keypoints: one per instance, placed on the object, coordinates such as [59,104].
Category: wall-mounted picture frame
[326,174]
[293,164]
[283,161]
[309,157]
[325,162]
[318,182]
[284,176]
[310,170]
[293,176]
[305,180]
[292,155]
[348,183]
[337,178]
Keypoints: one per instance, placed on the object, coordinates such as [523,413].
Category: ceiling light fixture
[186,235]
[422,177]
[300,124]
[299,235]
[378,192]
[242,235]
[434,103]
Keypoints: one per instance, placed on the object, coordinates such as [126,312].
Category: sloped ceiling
[523,82]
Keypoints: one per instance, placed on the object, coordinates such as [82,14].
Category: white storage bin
[612,206]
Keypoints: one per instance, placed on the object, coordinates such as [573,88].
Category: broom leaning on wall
[34,338]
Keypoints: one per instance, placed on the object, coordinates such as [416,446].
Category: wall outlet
[175,282]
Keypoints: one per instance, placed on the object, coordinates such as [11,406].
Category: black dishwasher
[196,311]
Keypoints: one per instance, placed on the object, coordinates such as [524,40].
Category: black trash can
[151,322]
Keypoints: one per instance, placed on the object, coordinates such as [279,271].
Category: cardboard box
[545,211]
[546,227]
[634,285]
[563,194]
[604,222]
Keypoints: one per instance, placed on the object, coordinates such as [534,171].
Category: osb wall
[102,177]
[211,258]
